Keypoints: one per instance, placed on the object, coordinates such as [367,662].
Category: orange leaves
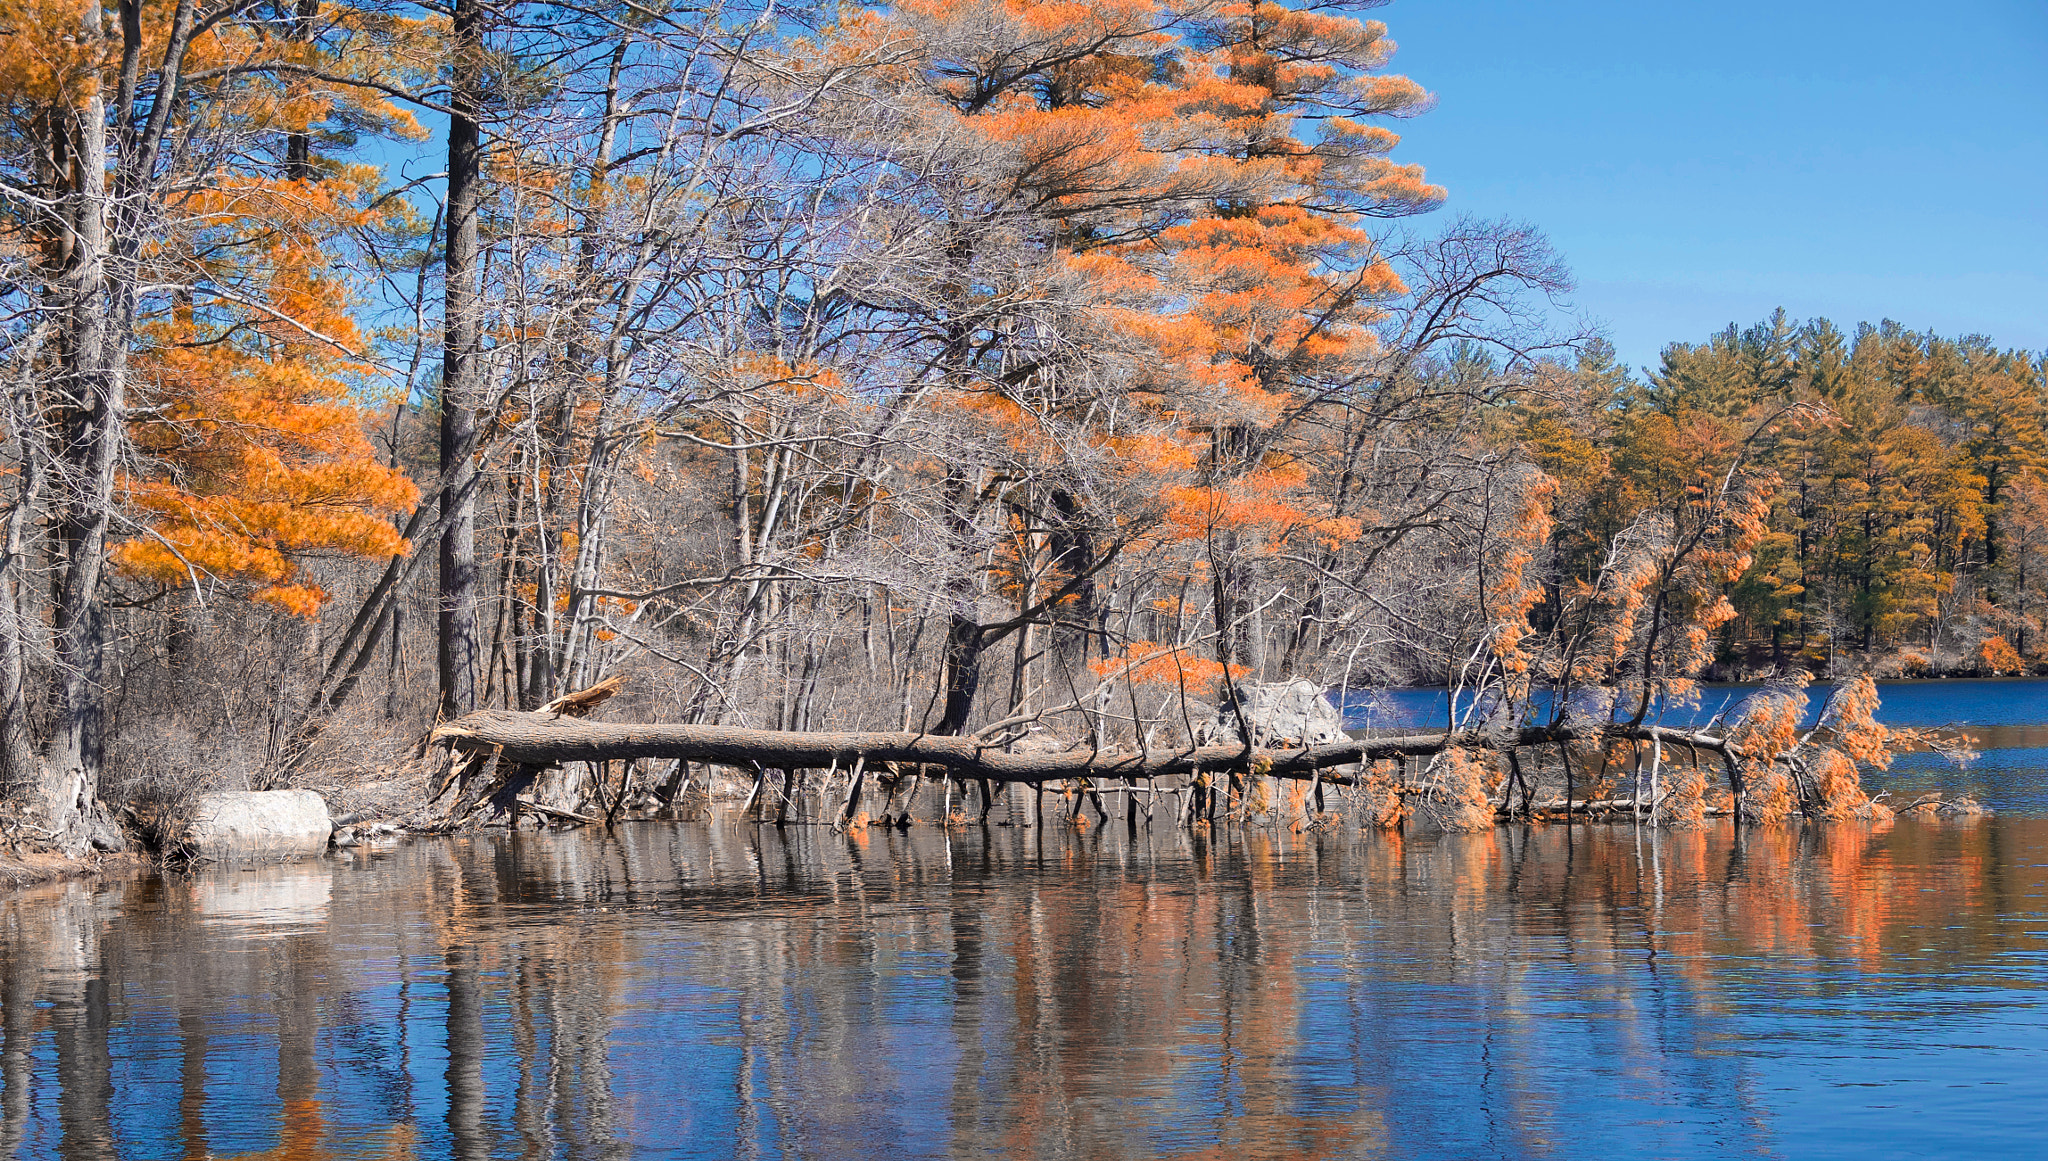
[243,359]
[1510,589]
[1267,239]
[995,54]
[1767,734]
[1261,282]
[1315,62]
[1684,788]
[266,515]
[1197,512]
[997,413]
[257,458]
[1178,666]
[1767,796]
[1382,804]
[1152,452]
[1851,717]
[1076,159]
[1608,613]
[802,381]
[1691,514]
[1268,295]
[1997,657]
[44,59]
[1457,781]
[1273,503]
[53,54]
[1837,787]
[1159,140]
[1769,728]
[1783,768]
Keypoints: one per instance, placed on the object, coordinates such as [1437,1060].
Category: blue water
[1987,702]
[694,990]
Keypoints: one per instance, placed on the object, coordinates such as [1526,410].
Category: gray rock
[1281,713]
[259,824]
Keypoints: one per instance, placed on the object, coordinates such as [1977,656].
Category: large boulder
[1282,713]
[259,824]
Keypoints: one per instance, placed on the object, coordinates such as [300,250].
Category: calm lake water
[712,990]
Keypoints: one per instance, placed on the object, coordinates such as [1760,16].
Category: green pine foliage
[1906,531]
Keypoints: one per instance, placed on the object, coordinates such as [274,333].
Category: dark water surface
[712,990]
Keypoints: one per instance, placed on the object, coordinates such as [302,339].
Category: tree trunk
[461,369]
[18,771]
[101,309]
[963,673]
[298,147]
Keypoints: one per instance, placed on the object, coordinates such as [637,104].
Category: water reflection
[694,990]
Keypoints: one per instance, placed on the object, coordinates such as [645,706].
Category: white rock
[1282,713]
[260,824]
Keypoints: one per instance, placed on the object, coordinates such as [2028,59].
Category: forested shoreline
[1019,372]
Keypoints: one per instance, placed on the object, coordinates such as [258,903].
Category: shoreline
[32,868]
[22,872]
[39,867]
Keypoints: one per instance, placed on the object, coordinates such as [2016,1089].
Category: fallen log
[540,738]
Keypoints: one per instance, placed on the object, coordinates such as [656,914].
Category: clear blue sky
[1702,163]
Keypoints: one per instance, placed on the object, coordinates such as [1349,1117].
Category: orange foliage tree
[175,221]
[256,459]
[1208,254]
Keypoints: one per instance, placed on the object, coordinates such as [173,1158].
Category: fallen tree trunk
[544,739]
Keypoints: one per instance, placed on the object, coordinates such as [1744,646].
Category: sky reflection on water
[712,991]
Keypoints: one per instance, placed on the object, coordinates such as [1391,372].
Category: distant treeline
[1910,527]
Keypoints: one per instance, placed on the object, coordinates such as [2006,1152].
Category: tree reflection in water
[715,991]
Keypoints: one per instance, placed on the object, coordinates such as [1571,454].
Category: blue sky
[1702,163]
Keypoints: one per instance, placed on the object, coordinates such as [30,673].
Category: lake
[714,990]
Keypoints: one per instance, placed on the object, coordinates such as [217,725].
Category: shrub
[1997,658]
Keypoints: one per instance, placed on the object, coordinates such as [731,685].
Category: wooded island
[998,391]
